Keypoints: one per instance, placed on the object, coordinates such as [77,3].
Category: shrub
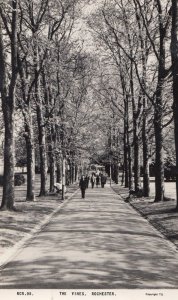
[19,179]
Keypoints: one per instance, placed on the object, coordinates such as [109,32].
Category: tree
[8,80]
[45,22]
[174,53]
[25,105]
[163,21]
[128,28]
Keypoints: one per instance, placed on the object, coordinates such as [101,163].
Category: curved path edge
[9,255]
[155,228]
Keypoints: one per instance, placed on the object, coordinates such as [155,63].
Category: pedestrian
[97,180]
[83,186]
[87,181]
[93,181]
[103,180]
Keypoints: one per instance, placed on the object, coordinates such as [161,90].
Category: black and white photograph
[88,149]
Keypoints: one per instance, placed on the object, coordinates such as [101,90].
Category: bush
[19,179]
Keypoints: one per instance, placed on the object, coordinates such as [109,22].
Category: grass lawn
[161,215]
[15,226]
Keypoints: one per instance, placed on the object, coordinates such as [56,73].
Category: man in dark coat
[97,180]
[83,185]
[87,180]
[103,180]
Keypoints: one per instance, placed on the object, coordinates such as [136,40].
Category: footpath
[99,242]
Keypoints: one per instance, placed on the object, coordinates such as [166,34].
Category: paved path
[98,242]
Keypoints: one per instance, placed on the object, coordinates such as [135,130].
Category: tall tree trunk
[51,158]
[57,155]
[58,170]
[136,157]
[158,111]
[146,178]
[126,172]
[7,89]
[130,166]
[159,165]
[51,169]
[42,150]
[129,151]
[146,173]
[41,127]
[29,134]
[158,126]
[125,165]
[30,161]
[136,163]
[73,172]
[174,53]
[9,157]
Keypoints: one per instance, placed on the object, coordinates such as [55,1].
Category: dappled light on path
[98,242]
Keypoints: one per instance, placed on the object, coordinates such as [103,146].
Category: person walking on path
[103,180]
[87,180]
[93,181]
[97,180]
[83,186]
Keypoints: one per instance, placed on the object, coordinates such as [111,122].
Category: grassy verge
[14,226]
[161,215]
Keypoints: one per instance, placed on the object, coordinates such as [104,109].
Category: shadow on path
[98,242]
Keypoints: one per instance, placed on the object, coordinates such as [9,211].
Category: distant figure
[93,181]
[103,180]
[87,178]
[97,180]
[83,186]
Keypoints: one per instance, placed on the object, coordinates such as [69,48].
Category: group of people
[94,179]
[98,179]
[84,183]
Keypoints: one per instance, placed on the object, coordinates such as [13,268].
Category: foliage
[19,179]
